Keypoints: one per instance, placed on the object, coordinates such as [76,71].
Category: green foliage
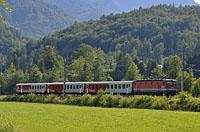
[173,67]
[158,73]
[51,64]
[188,81]
[5,5]
[88,64]
[133,31]
[182,101]
[132,73]
[196,88]
[36,18]
[35,74]
[123,61]
[11,77]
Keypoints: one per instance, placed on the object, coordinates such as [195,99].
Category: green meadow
[28,117]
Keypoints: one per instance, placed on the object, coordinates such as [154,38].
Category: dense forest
[142,44]
[36,18]
[93,9]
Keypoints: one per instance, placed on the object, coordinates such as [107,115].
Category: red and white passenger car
[167,86]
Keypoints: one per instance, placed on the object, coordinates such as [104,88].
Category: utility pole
[0,89]
[64,77]
[183,68]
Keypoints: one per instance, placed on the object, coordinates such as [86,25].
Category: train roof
[98,82]
[157,80]
[103,82]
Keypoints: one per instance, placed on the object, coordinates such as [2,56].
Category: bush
[51,99]
[86,100]
[183,101]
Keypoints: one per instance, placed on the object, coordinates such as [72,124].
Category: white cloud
[197,1]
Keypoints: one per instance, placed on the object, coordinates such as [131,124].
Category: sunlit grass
[53,118]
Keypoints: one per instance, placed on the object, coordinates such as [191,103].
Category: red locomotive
[167,86]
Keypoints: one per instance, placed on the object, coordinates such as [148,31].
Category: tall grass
[6,124]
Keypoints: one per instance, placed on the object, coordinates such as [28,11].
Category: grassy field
[53,118]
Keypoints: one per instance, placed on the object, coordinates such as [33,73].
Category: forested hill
[151,33]
[35,18]
[142,44]
[92,9]
[127,5]
[81,9]
[10,42]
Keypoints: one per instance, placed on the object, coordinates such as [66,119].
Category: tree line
[142,44]
[93,64]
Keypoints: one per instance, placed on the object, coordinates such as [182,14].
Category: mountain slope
[80,9]
[141,30]
[92,9]
[11,43]
[127,5]
[35,18]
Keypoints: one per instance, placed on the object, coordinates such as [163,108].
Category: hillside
[128,5]
[145,30]
[35,18]
[11,42]
[93,9]
[80,9]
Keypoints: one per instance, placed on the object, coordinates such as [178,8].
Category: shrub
[124,103]
[182,101]
[86,100]
[50,98]
[159,103]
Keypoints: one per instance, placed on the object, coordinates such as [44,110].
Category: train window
[120,86]
[111,86]
[70,86]
[67,86]
[124,86]
[115,86]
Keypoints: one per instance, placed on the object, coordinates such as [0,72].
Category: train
[135,87]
